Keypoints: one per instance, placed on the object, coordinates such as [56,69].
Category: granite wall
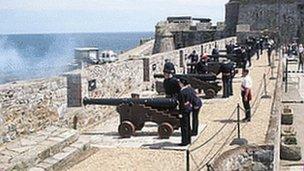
[29,106]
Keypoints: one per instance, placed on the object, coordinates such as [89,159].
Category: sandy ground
[218,114]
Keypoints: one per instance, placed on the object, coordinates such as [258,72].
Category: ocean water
[30,56]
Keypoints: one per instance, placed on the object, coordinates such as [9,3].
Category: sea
[31,56]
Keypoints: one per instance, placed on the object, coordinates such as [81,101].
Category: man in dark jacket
[171,85]
[193,60]
[169,66]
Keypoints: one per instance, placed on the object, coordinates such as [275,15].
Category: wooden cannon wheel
[165,130]
[210,93]
[126,129]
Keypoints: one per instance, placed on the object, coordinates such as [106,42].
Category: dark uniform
[170,67]
[248,55]
[186,109]
[227,70]
[193,59]
[196,106]
[269,52]
[172,88]
[202,67]
[215,53]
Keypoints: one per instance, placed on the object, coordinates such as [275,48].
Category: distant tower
[232,17]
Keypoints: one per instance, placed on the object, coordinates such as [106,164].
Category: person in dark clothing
[193,60]
[269,52]
[189,102]
[257,49]
[227,69]
[243,56]
[261,46]
[202,65]
[248,56]
[185,109]
[215,53]
[229,48]
[171,85]
[169,66]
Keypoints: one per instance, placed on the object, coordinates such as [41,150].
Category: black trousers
[195,121]
[246,106]
[226,86]
[185,127]
[269,58]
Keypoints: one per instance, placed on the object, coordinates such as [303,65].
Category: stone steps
[27,152]
[60,159]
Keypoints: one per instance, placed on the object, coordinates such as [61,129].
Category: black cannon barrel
[223,56]
[203,77]
[164,103]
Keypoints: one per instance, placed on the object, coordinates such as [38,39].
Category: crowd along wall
[30,106]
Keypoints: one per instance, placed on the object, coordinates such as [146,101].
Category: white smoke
[14,66]
[10,61]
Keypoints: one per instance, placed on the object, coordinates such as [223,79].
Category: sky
[62,16]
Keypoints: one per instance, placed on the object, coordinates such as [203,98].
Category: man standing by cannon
[202,65]
[215,53]
[171,85]
[193,57]
[227,69]
[169,66]
[189,102]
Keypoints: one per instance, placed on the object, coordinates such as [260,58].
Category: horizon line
[93,32]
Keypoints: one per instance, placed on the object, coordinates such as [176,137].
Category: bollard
[286,76]
[239,141]
[265,96]
[238,121]
[75,121]
[272,74]
[187,160]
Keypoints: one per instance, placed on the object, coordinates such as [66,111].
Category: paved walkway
[295,94]
[218,114]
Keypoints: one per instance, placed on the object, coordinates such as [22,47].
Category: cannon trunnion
[135,112]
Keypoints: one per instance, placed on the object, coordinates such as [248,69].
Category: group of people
[189,103]
[296,50]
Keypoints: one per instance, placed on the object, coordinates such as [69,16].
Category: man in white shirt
[246,94]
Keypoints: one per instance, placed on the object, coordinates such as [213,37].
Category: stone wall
[267,16]
[29,106]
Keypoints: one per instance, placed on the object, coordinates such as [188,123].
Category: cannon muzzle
[157,103]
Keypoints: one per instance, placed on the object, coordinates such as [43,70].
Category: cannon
[206,82]
[240,62]
[213,67]
[134,112]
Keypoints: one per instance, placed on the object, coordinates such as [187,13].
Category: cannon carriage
[206,82]
[135,112]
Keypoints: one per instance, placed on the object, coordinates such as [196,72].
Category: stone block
[36,169]
[288,131]
[46,165]
[287,116]
[82,146]
[289,149]
[66,155]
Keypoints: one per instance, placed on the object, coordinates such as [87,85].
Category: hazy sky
[45,16]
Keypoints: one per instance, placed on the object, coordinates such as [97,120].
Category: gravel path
[216,113]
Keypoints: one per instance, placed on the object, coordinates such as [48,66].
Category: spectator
[246,94]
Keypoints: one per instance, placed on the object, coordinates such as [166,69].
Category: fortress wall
[29,106]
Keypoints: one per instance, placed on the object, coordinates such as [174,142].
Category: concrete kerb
[274,130]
